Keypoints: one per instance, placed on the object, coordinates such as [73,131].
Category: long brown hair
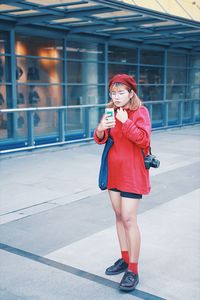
[135,101]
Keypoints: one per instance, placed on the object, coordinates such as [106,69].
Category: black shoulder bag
[103,172]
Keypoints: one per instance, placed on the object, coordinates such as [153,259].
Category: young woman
[128,179]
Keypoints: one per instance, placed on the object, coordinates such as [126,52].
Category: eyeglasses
[120,94]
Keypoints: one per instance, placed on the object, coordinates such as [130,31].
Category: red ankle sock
[133,267]
[125,256]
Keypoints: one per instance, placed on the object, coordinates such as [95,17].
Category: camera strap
[143,154]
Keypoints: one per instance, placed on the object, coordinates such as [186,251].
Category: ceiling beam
[66,14]
[149,12]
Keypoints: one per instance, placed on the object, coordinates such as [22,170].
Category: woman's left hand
[122,115]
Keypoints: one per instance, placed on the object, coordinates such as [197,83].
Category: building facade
[54,85]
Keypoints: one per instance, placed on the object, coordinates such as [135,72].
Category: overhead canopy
[115,20]
[188,9]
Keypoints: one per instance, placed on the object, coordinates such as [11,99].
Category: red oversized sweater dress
[126,170]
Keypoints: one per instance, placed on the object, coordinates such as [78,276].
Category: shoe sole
[128,289]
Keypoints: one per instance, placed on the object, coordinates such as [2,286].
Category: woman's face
[121,95]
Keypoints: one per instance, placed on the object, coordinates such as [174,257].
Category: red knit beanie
[126,79]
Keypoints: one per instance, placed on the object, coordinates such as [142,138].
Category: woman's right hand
[105,124]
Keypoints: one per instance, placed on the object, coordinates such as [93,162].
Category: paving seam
[56,205]
[75,271]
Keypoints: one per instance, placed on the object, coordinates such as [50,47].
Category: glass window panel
[195,61]
[151,57]
[6,127]
[86,51]
[21,130]
[176,59]
[175,92]
[120,54]
[5,96]
[194,92]
[3,126]
[38,46]
[157,113]
[45,123]
[176,76]
[151,75]
[187,110]
[85,72]
[39,70]
[150,93]
[197,110]
[39,96]
[80,95]
[4,42]
[173,113]
[5,75]
[75,119]
[195,76]
[114,69]
[96,114]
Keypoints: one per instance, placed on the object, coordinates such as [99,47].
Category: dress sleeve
[138,129]
[101,141]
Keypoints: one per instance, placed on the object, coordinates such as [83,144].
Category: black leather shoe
[119,266]
[129,281]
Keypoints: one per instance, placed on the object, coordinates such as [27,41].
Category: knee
[129,221]
[118,215]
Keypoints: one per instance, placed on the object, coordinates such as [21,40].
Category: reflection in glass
[176,59]
[176,76]
[151,57]
[187,110]
[195,61]
[6,126]
[124,55]
[3,126]
[45,123]
[85,51]
[5,96]
[21,130]
[195,76]
[83,94]
[96,114]
[175,92]
[39,70]
[85,72]
[75,119]
[150,93]
[2,96]
[4,42]
[197,110]
[38,46]
[114,69]
[194,92]
[157,113]
[173,112]
[5,69]
[39,96]
[151,75]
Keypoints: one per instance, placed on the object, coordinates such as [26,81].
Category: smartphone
[110,114]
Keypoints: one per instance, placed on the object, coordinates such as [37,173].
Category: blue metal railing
[165,121]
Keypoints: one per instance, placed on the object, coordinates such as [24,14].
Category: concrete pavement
[57,230]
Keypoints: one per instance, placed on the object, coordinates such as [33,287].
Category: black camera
[151,161]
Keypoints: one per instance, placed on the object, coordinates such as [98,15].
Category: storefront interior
[56,58]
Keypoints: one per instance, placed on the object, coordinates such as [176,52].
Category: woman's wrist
[100,129]
[100,133]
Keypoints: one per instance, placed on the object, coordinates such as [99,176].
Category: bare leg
[116,204]
[129,209]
